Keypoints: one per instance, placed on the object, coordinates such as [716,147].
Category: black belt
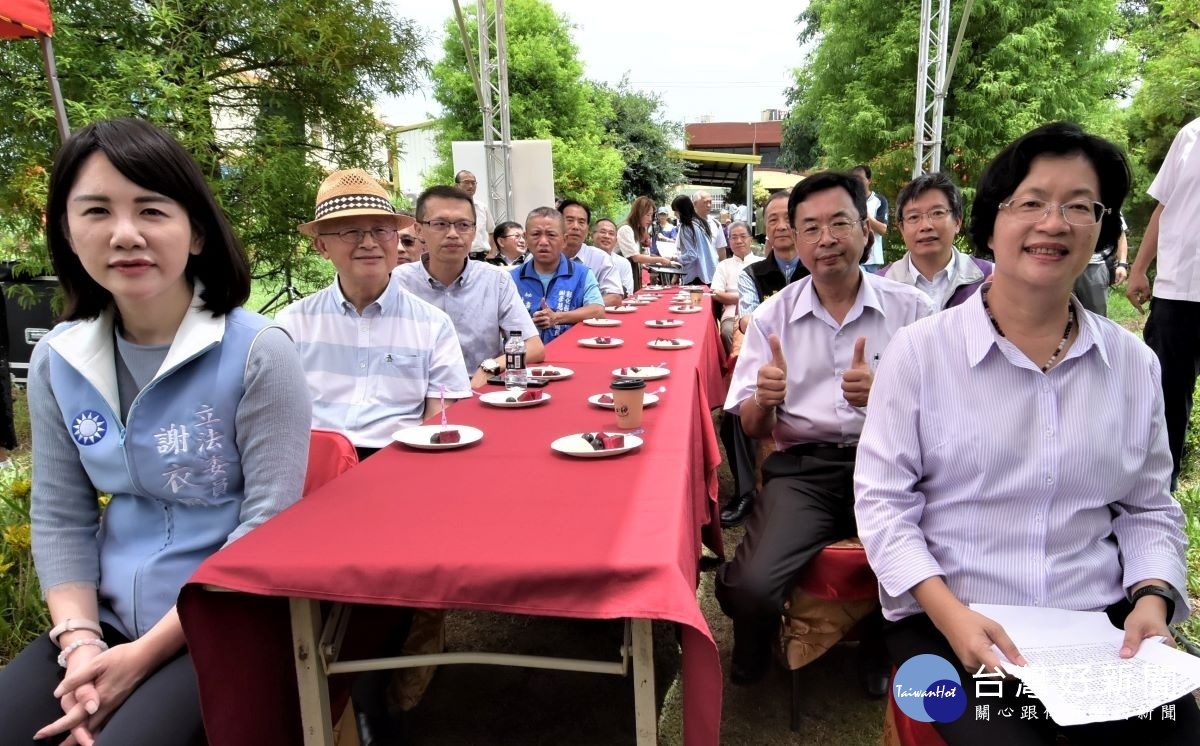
[827,451]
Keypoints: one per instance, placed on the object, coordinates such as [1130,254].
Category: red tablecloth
[503,525]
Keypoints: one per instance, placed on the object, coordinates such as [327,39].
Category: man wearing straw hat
[377,358]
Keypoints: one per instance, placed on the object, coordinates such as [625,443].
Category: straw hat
[352,192]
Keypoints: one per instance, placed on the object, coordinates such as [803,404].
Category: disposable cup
[697,297]
[627,396]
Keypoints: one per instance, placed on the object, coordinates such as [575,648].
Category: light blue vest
[173,470]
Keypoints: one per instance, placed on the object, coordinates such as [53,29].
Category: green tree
[1023,63]
[548,100]
[266,95]
[1166,36]
[800,148]
[638,129]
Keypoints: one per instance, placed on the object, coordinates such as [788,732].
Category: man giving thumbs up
[803,378]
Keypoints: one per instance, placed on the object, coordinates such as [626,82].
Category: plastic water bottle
[514,362]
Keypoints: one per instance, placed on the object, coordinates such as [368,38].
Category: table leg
[645,712]
[311,681]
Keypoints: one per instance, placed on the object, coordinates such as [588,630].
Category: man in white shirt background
[1173,237]
[877,219]
[604,235]
[483,244]
[703,203]
[578,219]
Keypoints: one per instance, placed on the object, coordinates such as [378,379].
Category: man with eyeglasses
[556,290]
[604,233]
[510,245]
[930,210]
[804,377]
[482,244]
[411,247]
[376,357]
[482,302]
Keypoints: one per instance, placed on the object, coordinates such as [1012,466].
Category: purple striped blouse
[1016,486]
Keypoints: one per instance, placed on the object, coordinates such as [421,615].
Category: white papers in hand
[1076,670]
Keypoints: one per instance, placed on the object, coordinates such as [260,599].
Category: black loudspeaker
[27,323]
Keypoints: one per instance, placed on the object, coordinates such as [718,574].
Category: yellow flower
[20,488]
[18,536]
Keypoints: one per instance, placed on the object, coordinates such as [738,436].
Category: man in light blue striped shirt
[377,358]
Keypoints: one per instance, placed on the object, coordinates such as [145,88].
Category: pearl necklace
[983,293]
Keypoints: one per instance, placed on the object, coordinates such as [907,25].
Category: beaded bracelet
[66,652]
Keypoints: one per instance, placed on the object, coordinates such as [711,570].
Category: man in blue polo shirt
[557,291]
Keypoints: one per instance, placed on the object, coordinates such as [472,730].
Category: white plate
[501,399]
[550,372]
[418,437]
[685,309]
[655,287]
[602,322]
[575,445]
[663,344]
[648,400]
[645,372]
[595,342]
[620,309]
[638,302]
[664,323]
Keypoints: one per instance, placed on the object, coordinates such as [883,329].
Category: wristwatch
[489,366]
[1124,265]
[1156,590]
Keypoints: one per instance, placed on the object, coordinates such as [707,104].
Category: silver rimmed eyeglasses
[354,236]
[936,215]
[1075,212]
[839,229]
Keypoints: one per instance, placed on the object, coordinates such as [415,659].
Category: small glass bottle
[514,362]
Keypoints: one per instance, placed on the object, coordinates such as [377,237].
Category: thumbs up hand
[857,379]
[772,377]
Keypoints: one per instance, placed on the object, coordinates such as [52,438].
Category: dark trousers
[916,635]
[1173,332]
[1091,288]
[742,453]
[806,504]
[163,711]
[8,434]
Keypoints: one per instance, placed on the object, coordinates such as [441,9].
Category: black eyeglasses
[408,241]
[441,226]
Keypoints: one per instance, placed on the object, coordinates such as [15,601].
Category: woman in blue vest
[160,390]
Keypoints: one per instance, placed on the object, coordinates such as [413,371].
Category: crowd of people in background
[816,326]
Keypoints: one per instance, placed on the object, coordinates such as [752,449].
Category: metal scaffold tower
[491,87]
[931,86]
[933,81]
